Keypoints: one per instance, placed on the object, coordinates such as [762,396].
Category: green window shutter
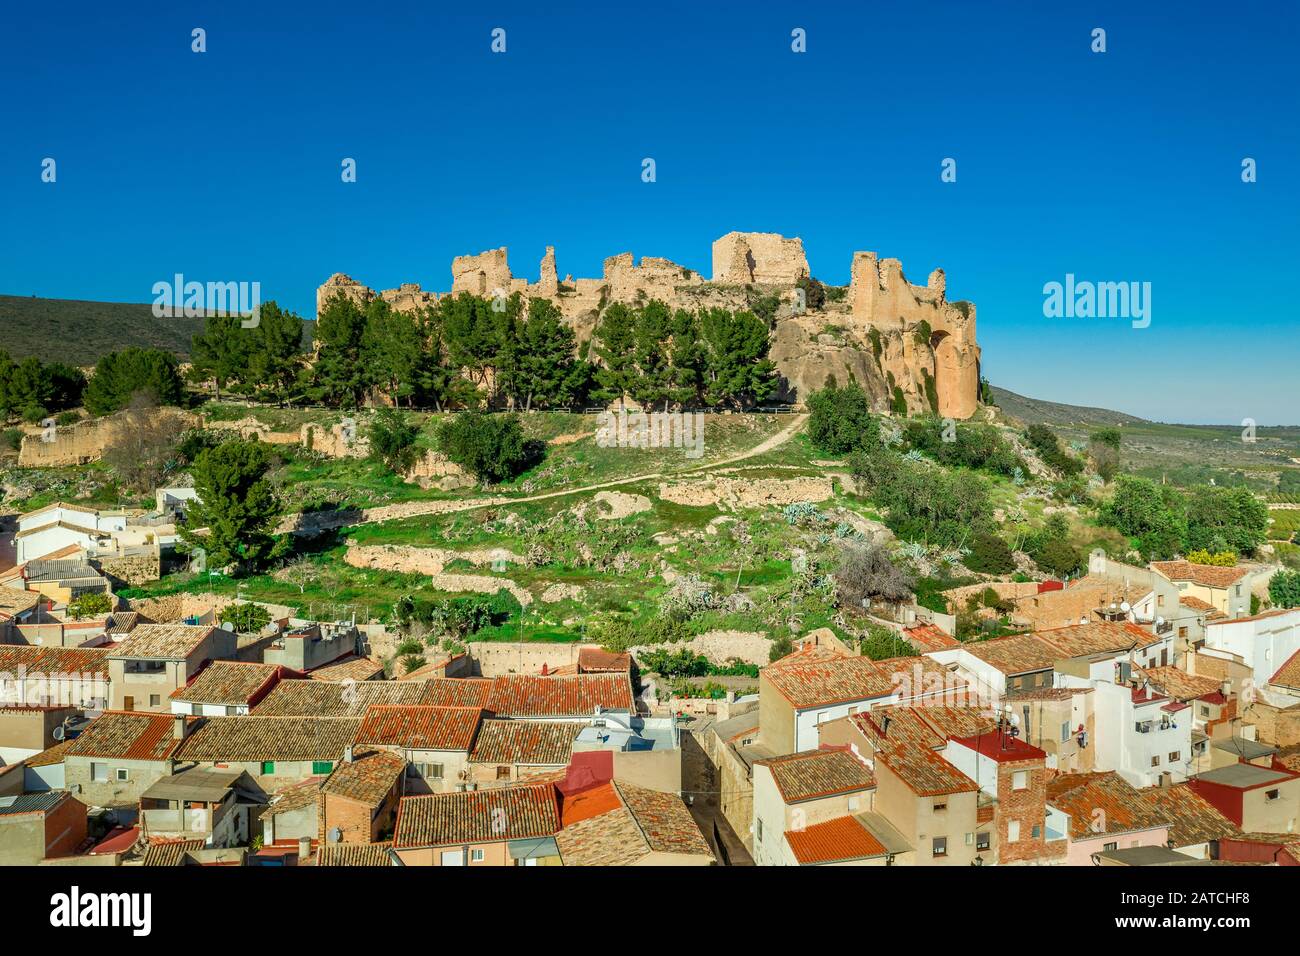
[322,766]
[268,766]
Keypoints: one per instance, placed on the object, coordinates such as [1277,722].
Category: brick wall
[1028,807]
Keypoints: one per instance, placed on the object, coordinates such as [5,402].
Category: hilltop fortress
[906,344]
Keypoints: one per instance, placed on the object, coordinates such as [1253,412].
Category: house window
[268,766]
[1020,780]
[939,846]
[503,773]
[970,839]
[1271,794]
[1205,710]
[1182,632]
[758,830]
[1160,600]
[940,807]
[99,772]
[1037,831]
[433,771]
[982,841]
[1155,760]
[155,700]
[476,856]
[1065,731]
[322,766]
[1013,831]
[1173,756]
[1110,846]
[122,775]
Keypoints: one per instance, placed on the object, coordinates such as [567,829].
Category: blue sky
[1122,166]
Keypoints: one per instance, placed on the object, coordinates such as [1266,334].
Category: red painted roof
[1001,748]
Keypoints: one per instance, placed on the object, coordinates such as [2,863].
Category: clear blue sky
[1126,165]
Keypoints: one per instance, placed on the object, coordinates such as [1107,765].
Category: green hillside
[80,332]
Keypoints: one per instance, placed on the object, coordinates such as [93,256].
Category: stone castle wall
[899,340]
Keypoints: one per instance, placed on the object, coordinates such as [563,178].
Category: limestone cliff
[908,345]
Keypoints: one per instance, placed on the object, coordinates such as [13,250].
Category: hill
[1034,410]
[85,330]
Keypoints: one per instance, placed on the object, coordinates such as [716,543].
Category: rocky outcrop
[909,346]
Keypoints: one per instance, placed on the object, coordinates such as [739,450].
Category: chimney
[180,727]
[347,754]
[304,848]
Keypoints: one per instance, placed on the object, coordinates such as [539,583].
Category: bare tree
[142,443]
[865,574]
[299,572]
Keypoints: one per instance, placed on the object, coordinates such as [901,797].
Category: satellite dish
[1159,621]
[1015,720]
[1125,607]
[58,733]
[335,835]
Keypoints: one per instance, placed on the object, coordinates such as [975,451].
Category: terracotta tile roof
[1195,603]
[620,824]
[254,739]
[533,742]
[14,601]
[1288,757]
[59,505]
[1179,684]
[420,727]
[169,852]
[818,773]
[1047,693]
[1203,574]
[92,661]
[368,778]
[126,736]
[1023,653]
[305,698]
[477,816]
[923,771]
[162,641]
[354,854]
[594,660]
[819,677]
[296,796]
[1192,819]
[51,755]
[351,667]
[123,622]
[927,637]
[834,841]
[229,683]
[578,695]
[928,726]
[1122,809]
[1288,675]
[665,822]
[434,668]
[457,692]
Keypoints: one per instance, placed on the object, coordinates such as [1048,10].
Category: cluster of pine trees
[468,351]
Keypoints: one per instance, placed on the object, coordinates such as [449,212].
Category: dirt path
[331,521]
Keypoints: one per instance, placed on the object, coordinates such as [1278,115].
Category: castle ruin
[907,345]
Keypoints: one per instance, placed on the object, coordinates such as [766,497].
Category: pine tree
[236,504]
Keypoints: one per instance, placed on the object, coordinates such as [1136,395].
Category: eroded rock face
[906,344]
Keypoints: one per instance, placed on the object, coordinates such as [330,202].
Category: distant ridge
[81,332]
[1034,411]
